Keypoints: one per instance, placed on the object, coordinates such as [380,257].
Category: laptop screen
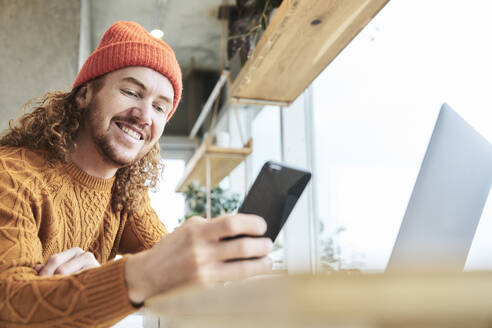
[447,200]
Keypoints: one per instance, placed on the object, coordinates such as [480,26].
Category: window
[168,204]
[266,133]
[374,108]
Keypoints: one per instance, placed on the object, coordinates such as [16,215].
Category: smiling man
[74,179]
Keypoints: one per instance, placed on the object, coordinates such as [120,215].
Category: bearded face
[127,115]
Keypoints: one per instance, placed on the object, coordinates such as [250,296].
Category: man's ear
[83,96]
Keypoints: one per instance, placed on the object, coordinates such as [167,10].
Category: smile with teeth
[130,132]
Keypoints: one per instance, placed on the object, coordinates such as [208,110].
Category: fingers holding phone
[231,226]
[233,237]
[196,252]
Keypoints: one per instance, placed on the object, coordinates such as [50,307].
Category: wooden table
[362,300]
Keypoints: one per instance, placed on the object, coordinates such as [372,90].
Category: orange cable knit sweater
[45,210]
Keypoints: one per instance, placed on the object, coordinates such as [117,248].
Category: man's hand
[70,261]
[197,253]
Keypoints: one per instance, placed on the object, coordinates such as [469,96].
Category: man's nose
[143,113]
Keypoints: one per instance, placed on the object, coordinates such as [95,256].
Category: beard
[110,153]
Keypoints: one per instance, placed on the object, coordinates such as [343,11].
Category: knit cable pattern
[45,210]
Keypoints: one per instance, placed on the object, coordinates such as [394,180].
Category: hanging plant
[246,25]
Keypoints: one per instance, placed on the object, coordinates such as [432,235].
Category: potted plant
[247,20]
[222,201]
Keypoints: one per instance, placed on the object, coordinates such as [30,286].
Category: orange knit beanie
[129,44]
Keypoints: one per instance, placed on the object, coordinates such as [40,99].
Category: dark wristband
[137,305]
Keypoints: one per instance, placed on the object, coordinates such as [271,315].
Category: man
[74,176]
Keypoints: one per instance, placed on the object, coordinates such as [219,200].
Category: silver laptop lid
[447,200]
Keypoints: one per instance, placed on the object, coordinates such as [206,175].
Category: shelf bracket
[208,105]
[208,186]
[259,102]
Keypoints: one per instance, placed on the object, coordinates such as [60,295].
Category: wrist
[135,281]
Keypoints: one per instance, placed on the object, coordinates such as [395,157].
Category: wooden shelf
[222,162]
[302,38]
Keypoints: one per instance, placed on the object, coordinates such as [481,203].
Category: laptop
[447,200]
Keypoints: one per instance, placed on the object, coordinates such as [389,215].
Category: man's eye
[130,93]
[160,108]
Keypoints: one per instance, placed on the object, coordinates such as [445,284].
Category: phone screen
[274,194]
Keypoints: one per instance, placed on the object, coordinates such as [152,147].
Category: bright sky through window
[168,204]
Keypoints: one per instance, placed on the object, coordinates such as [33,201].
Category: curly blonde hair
[52,125]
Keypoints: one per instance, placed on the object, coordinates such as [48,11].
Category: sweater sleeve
[93,298]
[142,230]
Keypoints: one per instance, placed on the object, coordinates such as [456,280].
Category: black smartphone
[274,194]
